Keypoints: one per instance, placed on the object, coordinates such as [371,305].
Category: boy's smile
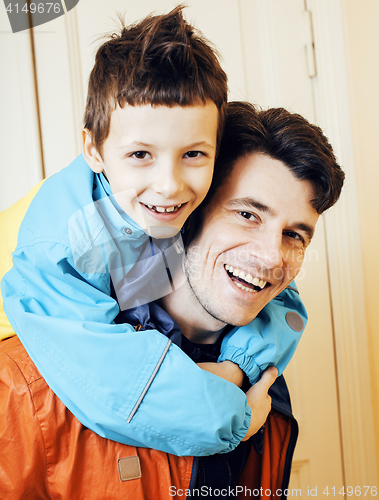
[159,162]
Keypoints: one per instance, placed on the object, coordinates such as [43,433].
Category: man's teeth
[246,277]
[162,210]
[251,290]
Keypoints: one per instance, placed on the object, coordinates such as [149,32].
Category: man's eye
[248,216]
[141,155]
[193,154]
[294,235]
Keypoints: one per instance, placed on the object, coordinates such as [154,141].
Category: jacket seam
[188,445]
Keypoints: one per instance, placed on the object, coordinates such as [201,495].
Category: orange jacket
[46,453]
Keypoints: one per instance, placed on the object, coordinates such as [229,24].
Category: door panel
[20,151]
[277,75]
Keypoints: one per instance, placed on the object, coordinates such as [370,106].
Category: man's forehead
[259,173]
[261,183]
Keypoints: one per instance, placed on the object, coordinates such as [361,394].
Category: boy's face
[159,162]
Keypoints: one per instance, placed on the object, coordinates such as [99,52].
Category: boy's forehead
[148,120]
[149,107]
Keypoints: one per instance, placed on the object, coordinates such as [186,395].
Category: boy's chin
[162,231]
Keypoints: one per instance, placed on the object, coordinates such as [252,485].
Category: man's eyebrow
[308,230]
[249,203]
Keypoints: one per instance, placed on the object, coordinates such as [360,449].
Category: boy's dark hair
[283,136]
[161,60]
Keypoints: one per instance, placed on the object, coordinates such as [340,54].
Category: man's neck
[194,321]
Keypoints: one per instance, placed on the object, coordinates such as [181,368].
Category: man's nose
[267,249]
[168,180]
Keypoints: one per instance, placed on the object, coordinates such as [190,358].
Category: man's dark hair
[281,135]
[161,60]
[284,136]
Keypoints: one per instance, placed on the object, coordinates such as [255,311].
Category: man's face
[253,239]
[159,162]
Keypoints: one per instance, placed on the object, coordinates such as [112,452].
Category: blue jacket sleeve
[270,339]
[101,371]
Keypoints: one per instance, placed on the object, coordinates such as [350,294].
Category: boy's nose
[169,181]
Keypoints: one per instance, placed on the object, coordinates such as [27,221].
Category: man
[277,173]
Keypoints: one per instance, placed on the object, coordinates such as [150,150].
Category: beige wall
[362,37]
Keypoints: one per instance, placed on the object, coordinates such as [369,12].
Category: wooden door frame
[344,251]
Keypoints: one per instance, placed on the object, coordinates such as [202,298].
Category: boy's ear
[90,153]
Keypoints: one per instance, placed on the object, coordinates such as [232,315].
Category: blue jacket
[138,388]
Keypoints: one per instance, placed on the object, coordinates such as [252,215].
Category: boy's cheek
[129,203]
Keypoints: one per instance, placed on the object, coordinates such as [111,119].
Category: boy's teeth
[246,277]
[162,210]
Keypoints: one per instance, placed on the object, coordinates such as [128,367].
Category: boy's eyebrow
[199,144]
[136,144]
[249,203]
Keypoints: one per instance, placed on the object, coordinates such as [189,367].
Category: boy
[154,116]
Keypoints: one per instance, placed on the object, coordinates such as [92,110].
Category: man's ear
[90,153]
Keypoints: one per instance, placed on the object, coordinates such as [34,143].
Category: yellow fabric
[10,221]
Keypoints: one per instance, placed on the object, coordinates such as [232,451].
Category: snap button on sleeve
[295,321]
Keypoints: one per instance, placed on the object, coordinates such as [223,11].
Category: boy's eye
[248,216]
[141,155]
[193,154]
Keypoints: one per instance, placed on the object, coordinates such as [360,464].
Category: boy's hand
[259,401]
[226,369]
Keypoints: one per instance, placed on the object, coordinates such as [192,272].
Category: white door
[262,45]
[278,74]
[20,142]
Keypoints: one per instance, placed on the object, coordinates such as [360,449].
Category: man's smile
[245,281]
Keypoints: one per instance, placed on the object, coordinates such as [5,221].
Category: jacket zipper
[194,473]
